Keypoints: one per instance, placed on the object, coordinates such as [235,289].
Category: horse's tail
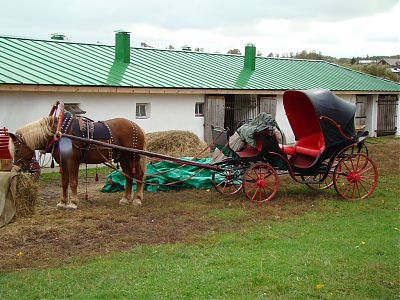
[143,158]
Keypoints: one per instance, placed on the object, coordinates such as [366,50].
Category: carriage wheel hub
[261,182]
[353,176]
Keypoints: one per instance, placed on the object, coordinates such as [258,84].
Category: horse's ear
[12,136]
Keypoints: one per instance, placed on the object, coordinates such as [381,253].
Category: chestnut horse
[69,154]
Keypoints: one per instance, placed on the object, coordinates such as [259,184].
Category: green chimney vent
[122,46]
[250,57]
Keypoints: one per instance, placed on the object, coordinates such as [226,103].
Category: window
[199,109]
[142,110]
[74,108]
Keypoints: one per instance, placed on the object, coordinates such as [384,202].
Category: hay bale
[176,143]
[26,194]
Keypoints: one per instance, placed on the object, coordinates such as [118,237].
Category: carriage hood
[327,106]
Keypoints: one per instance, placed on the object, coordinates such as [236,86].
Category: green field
[325,248]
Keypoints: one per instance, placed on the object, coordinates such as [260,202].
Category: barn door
[268,105]
[214,115]
[387,115]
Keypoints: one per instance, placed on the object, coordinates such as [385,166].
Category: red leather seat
[288,149]
[311,145]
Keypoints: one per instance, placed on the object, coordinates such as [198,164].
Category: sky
[339,28]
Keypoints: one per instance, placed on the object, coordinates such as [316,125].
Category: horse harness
[91,130]
[88,129]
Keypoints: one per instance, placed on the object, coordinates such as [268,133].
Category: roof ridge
[151,49]
[51,40]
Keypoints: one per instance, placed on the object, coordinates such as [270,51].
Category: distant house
[394,64]
[367,61]
[173,89]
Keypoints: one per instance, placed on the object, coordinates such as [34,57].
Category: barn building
[169,89]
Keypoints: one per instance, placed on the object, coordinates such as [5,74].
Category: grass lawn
[334,249]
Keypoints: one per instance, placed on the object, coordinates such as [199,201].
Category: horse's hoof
[62,205]
[136,202]
[124,201]
[72,206]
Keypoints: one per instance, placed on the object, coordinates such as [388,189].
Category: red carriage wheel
[355,176]
[229,181]
[328,182]
[260,183]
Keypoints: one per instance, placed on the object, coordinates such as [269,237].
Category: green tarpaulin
[165,172]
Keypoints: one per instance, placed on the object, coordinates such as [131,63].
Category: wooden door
[268,105]
[387,115]
[214,115]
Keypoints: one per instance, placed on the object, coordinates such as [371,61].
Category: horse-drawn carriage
[328,151]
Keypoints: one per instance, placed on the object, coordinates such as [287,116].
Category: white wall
[282,120]
[168,112]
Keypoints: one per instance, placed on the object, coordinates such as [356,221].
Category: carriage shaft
[143,152]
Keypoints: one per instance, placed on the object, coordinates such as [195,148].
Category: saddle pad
[100,132]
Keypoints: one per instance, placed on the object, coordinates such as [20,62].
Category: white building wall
[282,120]
[167,112]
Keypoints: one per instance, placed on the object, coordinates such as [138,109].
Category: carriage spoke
[255,193]
[344,163]
[367,182]
[358,190]
[364,187]
[365,170]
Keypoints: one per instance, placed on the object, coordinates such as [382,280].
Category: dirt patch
[52,237]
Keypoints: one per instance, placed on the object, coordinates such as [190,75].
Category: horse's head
[20,152]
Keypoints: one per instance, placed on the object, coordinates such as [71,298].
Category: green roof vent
[250,57]
[122,46]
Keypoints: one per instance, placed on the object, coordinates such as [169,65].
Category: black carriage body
[335,115]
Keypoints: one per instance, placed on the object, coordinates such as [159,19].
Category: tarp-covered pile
[165,172]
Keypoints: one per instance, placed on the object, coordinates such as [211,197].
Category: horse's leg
[127,166]
[73,168]
[140,167]
[65,183]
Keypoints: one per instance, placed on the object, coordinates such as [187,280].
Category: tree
[375,70]
[234,51]
[270,54]
[309,55]
[259,53]
[170,47]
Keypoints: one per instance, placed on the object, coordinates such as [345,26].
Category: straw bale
[176,143]
[26,195]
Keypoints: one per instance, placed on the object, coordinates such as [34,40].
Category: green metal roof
[44,62]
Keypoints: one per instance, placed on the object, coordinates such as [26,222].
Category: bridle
[25,165]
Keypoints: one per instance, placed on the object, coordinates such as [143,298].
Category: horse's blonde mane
[35,134]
